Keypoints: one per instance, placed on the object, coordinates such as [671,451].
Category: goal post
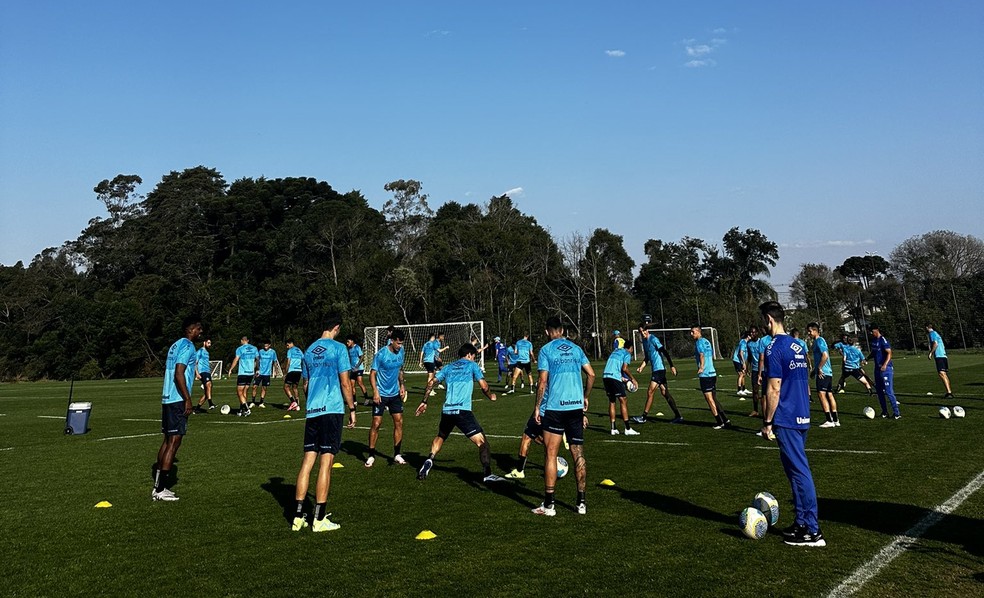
[677,341]
[415,335]
[215,367]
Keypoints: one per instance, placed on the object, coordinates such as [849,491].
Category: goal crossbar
[708,331]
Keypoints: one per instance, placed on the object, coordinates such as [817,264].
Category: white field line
[9,448]
[489,435]
[242,423]
[124,437]
[900,544]
[141,420]
[649,442]
[823,450]
[52,416]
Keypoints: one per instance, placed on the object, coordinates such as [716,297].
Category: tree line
[268,258]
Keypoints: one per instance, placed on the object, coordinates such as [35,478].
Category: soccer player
[707,376]
[203,372]
[524,354]
[326,385]
[388,392]
[561,405]
[502,358]
[755,351]
[532,433]
[654,353]
[247,358]
[614,377]
[457,411]
[267,357]
[824,375]
[428,357]
[787,415]
[937,351]
[441,348]
[355,356]
[795,334]
[179,374]
[295,359]
[851,366]
[881,355]
[740,360]
[617,342]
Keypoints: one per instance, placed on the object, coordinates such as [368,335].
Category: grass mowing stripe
[823,450]
[131,436]
[900,544]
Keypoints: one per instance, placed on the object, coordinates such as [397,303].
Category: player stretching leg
[824,376]
[561,404]
[654,353]
[707,375]
[247,358]
[853,360]
[937,351]
[614,377]
[388,390]
[460,377]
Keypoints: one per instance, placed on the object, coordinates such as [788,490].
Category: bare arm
[343,381]
[179,383]
[589,383]
[771,399]
[540,389]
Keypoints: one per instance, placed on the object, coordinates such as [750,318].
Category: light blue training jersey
[388,365]
[613,367]
[430,350]
[819,348]
[204,367]
[755,350]
[651,346]
[267,357]
[524,349]
[738,355]
[934,337]
[562,360]
[182,351]
[460,378]
[295,357]
[247,355]
[787,361]
[852,357]
[355,357]
[704,346]
[323,361]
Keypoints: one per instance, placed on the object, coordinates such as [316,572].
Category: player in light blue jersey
[325,367]
[357,371]
[787,419]
[852,364]
[247,360]
[179,374]
[707,376]
[561,405]
[292,375]
[824,375]
[755,351]
[460,378]
[654,353]
[203,373]
[739,358]
[267,357]
[524,356]
[613,378]
[937,352]
[881,356]
[389,392]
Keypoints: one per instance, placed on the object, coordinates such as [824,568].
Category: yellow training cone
[659,414]
[426,535]
[286,417]
[607,482]
[105,504]
[337,465]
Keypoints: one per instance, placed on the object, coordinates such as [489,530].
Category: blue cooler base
[77,419]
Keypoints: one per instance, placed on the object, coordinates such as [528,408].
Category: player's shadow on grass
[673,505]
[284,495]
[895,519]
[507,489]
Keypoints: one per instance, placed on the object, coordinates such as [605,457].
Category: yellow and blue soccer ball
[753,523]
[768,505]
[561,466]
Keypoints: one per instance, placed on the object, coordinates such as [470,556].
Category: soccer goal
[677,341]
[415,335]
[216,368]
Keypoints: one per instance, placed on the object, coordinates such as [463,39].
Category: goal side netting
[677,341]
[215,367]
[415,335]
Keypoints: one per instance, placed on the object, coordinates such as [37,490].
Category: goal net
[216,368]
[677,341]
[415,335]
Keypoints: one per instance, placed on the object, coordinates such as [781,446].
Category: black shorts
[524,365]
[206,378]
[708,384]
[244,380]
[615,389]
[570,423]
[174,422]
[659,377]
[825,384]
[356,374]
[438,363]
[393,404]
[429,366]
[942,365]
[323,434]
[533,429]
[263,380]
[755,378]
[292,378]
[738,366]
[856,373]
[463,420]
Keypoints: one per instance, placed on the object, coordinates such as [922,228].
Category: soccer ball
[945,412]
[768,505]
[631,386]
[753,523]
[958,411]
[561,466]
[869,412]
[225,409]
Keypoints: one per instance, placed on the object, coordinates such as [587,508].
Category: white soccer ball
[958,411]
[561,466]
[753,523]
[768,505]
[945,412]
[869,412]
[631,386]
[225,409]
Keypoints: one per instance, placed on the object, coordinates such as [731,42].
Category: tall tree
[938,255]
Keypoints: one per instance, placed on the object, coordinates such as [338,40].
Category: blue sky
[835,128]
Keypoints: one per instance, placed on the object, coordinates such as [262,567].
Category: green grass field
[668,527]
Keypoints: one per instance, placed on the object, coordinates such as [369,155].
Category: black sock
[159,477]
[672,403]
[548,499]
[580,498]
[300,509]
[627,425]
[522,462]
[396,448]
[826,415]
[430,456]
[645,414]
[210,403]
[372,452]
[613,424]
[319,511]
[833,414]
[487,467]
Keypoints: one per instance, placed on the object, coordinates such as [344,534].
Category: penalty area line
[823,450]
[124,437]
[900,544]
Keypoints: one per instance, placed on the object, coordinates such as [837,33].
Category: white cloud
[831,243]
[720,30]
[437,32]
[615,53]
[514,192]
[718,41]
[700,50]
[696,64]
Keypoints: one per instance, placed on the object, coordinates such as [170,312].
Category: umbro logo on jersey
[796,347]
[565,347]
[318,350]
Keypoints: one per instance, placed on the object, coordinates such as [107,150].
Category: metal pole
[905,297]
[864,323]
[737,321]
[817,303]
[959,322]
[697,298]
